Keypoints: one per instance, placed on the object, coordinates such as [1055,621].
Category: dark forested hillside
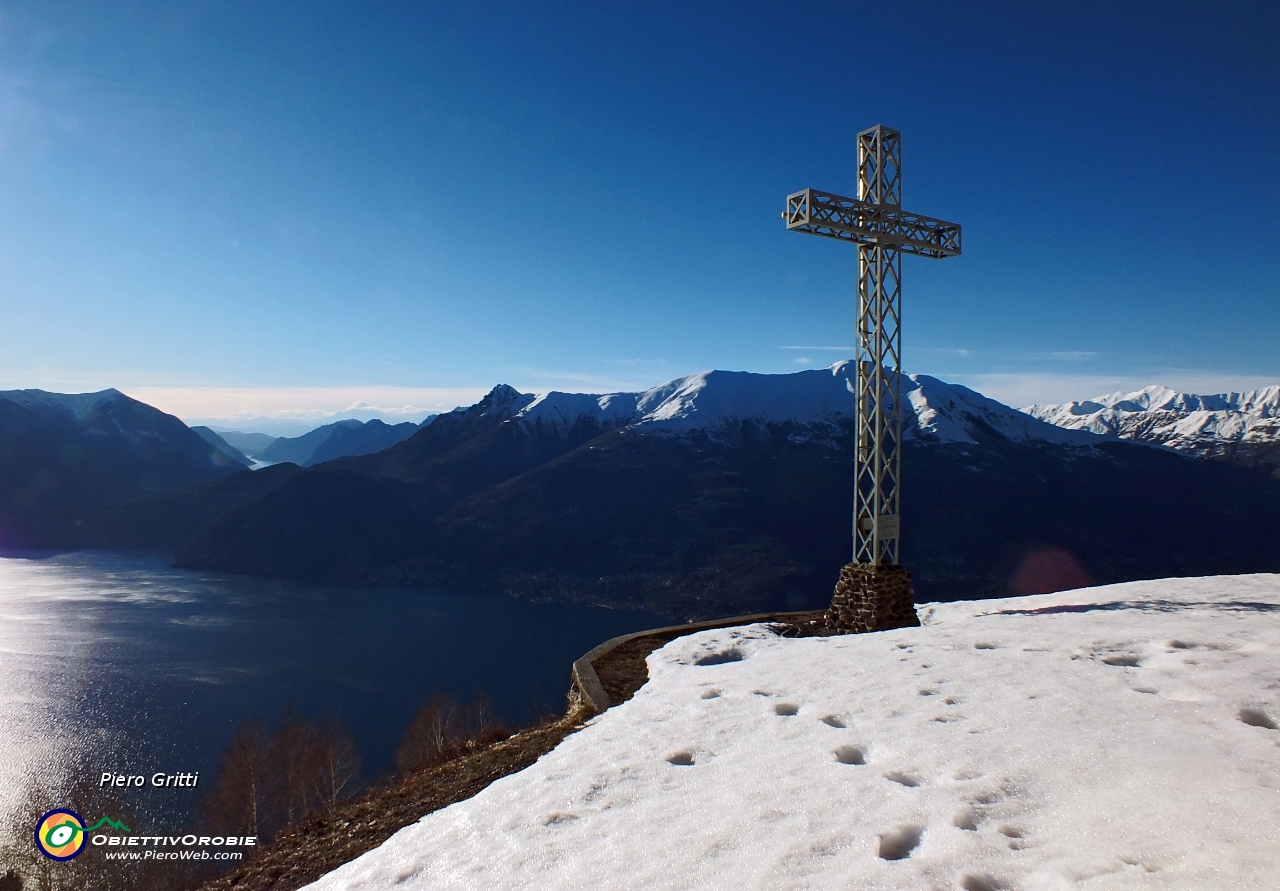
[747,519]
[61,456]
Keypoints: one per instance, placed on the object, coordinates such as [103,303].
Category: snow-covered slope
[72,403]
[1120,737]
[1202,425]
[936,410]
[111,415]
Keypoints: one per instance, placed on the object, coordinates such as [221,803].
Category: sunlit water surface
[117,662]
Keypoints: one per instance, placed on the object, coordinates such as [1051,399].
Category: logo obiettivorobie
[60,834]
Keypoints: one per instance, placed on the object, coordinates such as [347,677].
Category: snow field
[1112,737]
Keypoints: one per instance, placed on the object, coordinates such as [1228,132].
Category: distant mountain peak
[1216,424]
[340,439]
[933,410]
[503,400]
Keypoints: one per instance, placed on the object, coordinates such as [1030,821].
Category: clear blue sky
[587,196]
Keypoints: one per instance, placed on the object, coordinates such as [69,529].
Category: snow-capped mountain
[935,411]
[1221,424]
[75,403]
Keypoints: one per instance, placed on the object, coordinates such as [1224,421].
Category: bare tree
[335,775]
[429,735]
[271,781]
[237,805]
[442,728]
[291,765]
[483,723]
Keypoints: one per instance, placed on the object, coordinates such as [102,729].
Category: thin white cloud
[1011,355]
[539,380]
[944,351]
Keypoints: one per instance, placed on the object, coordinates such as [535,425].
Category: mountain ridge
[697,499]
[1242,426]
[719,493]
[337,440]
[934,409]
[222,445]
[62,454]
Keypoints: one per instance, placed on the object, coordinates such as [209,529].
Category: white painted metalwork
[883,232]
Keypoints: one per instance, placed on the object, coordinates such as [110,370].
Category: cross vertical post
[878,461]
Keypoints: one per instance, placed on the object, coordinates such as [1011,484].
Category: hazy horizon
[292,411]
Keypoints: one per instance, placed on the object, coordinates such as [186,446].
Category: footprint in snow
[1122,660]
[898,843]
[732,654]
[1256,717]
[851,755]
[1015,835]
[558,817]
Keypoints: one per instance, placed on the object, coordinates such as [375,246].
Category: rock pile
[871,597]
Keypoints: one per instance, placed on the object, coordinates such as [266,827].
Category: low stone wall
[613,671]
[867,598]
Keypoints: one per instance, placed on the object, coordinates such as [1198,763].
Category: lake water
[122,663]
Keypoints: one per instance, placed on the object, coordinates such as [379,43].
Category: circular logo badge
[60,834]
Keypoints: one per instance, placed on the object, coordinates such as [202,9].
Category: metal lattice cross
[883,232]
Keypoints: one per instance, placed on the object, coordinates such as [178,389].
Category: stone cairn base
[868,597]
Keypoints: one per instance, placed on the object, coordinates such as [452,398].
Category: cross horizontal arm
[862,222]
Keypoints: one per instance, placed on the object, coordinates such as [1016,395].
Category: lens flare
[1046,570]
